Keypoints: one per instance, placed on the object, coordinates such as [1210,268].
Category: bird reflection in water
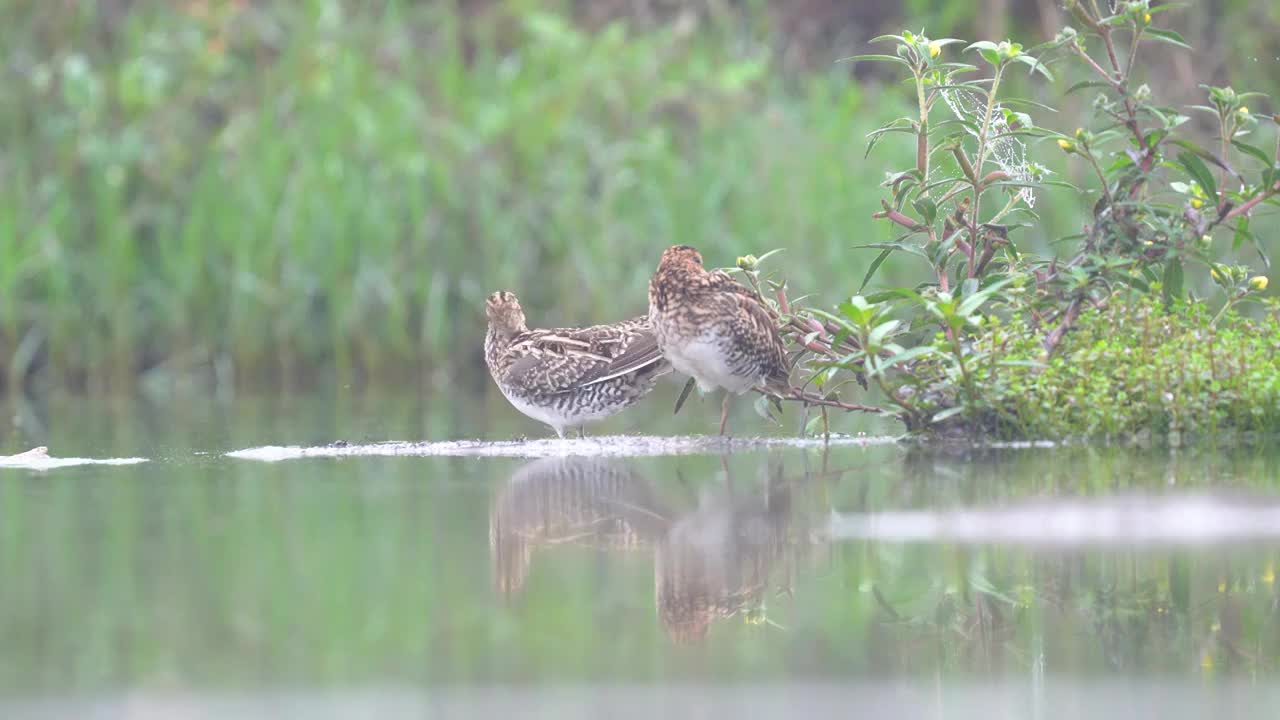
[712,561]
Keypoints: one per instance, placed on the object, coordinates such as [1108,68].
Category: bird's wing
[753,324]
[642,351]
[547,369]
[565,359]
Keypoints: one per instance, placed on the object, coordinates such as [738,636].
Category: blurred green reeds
[261,192]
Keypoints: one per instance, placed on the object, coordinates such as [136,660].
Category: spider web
[1008,152]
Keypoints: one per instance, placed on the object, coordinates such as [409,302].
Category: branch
[1069,319]
[813,399]
[1244,208]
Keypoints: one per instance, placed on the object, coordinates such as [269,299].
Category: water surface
[879,579]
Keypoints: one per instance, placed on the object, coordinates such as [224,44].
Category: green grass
[211,191]
[1135,371]
[258,193]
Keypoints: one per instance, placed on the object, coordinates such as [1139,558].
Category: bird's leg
[724,411]
[582,431]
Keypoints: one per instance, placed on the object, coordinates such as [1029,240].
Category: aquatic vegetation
[1110,339]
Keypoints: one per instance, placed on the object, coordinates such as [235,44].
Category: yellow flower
[1066,145]
[1197,203]
[935,49]
[1146,18]
[1269,575]
[1258,282]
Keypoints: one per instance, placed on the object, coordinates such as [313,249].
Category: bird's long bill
[684,395]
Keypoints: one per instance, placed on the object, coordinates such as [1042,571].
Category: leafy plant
[1162,201]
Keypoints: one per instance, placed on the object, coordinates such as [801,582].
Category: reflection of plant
[1141,615]
[993,316]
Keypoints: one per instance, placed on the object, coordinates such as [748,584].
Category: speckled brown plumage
[566,377]
[714,329]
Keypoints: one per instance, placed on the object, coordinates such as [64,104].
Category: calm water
[882,581]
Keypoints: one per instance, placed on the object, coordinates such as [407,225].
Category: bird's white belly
[556,418]
[540,413]
[705,362]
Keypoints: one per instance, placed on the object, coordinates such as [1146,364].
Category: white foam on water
[39,459]
[1184,520]
[598,446]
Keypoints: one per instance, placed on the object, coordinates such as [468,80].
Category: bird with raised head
[714,329]
[567,377]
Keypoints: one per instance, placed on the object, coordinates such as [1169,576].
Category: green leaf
[975,301]
[763,409]
[1206,155]
[1167,36]
[1253,240]
[769,254]
[1254,152]
[927,208]
[1135,282]
[881,331]
[875,58]
[875,265]
[908,355]
[1014,102]
[1199,172]
[875,136]
[841,321]
[1088,84]
[1173,280]
[949,412]
[1242,233]
[900,245]
[895,294]
[1035,65]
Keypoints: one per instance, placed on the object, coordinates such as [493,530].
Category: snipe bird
[715,330]
[567,377]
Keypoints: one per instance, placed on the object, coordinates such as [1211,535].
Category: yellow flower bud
[1146,18]
[1258,282]
[1197,203]
[747,262]
[1066,145]
[935,49]
[1213,273]
[1244,110]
